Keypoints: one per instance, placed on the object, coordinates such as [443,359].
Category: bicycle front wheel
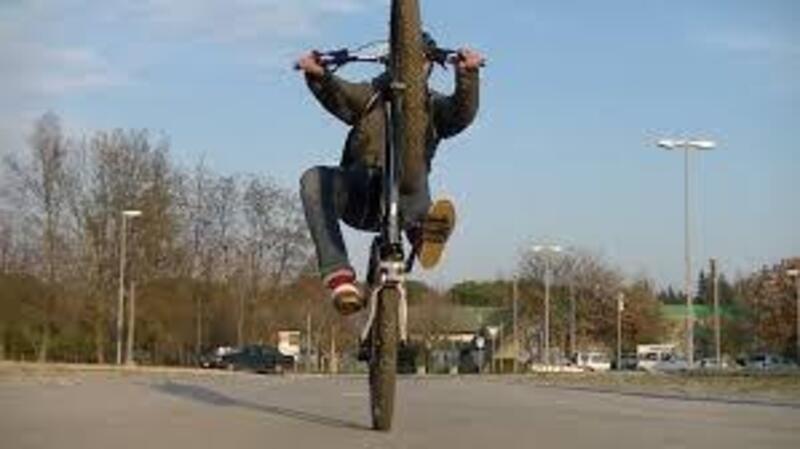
[383,360]
[408,67]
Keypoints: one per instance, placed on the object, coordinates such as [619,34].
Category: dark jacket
[358,105]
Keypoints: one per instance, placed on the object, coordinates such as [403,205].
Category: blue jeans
[352,195]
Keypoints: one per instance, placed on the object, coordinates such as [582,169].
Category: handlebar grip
[455,57]
[335,57]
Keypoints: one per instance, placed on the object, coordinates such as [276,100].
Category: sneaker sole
[436,230]
[348,305]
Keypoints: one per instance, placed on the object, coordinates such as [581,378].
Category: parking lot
[174,408]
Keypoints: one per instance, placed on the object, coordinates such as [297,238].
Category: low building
[289,343]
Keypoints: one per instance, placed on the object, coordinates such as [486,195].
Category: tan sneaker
[436,230]
[345,294]
[347,299]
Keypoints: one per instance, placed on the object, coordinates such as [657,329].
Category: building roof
[678,312]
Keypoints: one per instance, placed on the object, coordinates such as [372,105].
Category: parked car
[710,363]
[213,359]
[592,361]
[629,362]
[670,365]
[259,359]
[663,363]
[768,362]
[648,356]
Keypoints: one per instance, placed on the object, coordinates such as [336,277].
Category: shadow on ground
[210,397]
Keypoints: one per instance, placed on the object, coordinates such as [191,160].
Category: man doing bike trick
[351,191]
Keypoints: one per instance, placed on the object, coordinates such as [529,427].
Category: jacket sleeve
[452,114]
[341,98]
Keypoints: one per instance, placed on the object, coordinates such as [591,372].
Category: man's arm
[454,113]
[341,98]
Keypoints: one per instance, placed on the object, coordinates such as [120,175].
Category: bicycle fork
[392,276]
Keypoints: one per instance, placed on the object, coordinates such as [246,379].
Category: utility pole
[548,250]
[795,273]
[547,313]
[129,356]
[620,309]
[333,364]
[308,342]
[499,349]
[572,317]
[797,295]
[717,331]
[514,294]
[240,321]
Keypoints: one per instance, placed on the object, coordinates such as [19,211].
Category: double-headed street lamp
[548,250]
[121,300]
[687,146]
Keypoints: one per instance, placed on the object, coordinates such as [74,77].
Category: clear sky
[575,94]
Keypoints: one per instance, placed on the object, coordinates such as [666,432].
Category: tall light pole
[548,250]
[687,146]
[121,300]
[717,329]
[795,273]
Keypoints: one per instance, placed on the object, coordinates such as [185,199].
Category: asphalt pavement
[164,410]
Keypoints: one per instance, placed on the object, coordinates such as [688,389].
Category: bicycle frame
[388,266]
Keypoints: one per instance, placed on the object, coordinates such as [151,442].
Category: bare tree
[6,245]
[213,256]
[430,322]
[276,245]
[39,178]
[768,299]
[115,171]
[577,274]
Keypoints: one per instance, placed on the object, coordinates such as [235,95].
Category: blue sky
[575,94]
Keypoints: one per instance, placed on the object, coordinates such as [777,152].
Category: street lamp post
[687,145]
[121,299]
[548,250]
[795,273]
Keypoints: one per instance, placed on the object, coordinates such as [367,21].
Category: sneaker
[345,294]
[437,228]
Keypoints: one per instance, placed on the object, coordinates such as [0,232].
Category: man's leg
[330,194]
[323,191]
[415,206]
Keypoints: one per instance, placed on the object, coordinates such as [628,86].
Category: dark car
[258,359]
[213,359]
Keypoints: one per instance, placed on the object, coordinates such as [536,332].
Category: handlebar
[344,56]
[341,57]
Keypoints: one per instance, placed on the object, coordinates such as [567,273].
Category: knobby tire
[383,360]
[408,67]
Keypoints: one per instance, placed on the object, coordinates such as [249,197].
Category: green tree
[481,293]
